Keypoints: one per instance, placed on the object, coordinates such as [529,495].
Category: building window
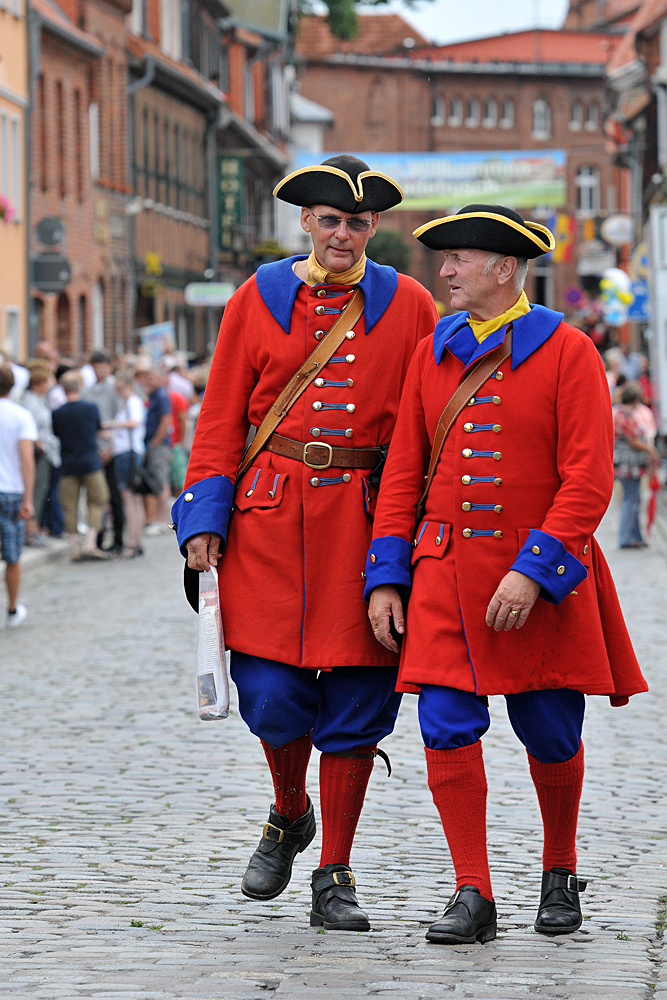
[137,17]
[249,93]
[507,114]
[94,139]
[438,110]
[576,116]
[170,28]
[42,132]
[593,116]
[98,316]
[81,325]
[456,112]
[60,118]
[10,161]
[472,115]
[78,140]
[490,119]
[13,315]
[541,119]
[588,190]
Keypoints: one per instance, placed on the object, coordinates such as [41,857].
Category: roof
[378,34]
[304,110]
[55,20]
[649,13]
[176,74]
[535,46]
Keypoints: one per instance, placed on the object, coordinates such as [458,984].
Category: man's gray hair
[520,274]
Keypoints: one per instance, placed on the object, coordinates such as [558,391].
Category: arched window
[455,111]
[438,110]
[507,114]
[593,116]
[490,119]
[541,119]
[81,324]
[576,116]
[472,115]
[63,329]
[588,190]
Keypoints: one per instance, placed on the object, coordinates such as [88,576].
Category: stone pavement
[126,824]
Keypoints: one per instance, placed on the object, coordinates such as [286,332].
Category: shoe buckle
[351,881]
[453,900]
[274,840]
[575,884]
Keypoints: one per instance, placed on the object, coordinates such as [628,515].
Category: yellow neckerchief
[482,328]
[317,275]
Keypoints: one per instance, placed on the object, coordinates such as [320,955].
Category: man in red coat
[304,660]
[509,591]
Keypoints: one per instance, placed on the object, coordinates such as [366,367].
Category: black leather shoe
[270,868]
[559,911]
[335,905]
[468,917]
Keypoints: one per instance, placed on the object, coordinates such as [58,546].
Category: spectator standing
[128,449]
[633,455]
[177,379]
[47,448]
[18,433]
[179,462]
[158,452]
[77,424]
[103,394]
[21,376]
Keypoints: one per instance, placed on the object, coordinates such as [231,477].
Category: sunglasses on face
[354,224]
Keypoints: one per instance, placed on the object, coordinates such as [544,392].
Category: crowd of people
[101,448]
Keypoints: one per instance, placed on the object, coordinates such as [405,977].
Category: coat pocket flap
[431,539]
[260,488]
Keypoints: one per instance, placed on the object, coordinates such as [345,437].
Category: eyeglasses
[354,224]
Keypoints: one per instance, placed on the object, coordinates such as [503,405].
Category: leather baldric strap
[302,378]
[320,455]
[470,386]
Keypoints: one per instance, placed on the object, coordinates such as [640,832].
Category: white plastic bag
[212,680]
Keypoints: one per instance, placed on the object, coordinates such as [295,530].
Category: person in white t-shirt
[18,433]
[127,446]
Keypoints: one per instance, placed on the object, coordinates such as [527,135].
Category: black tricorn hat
[487,227]
[344,182]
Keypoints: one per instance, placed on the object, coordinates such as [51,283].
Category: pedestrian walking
[509,592]
[158,452]
[18,433]
[127,446]
[341,330]
[634,455]
[103,393]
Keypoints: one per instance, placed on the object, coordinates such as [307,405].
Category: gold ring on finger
[515,613]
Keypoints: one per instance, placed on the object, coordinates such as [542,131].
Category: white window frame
[592,123]
[94,140]
[490,119]
[438,110]
[576,122]
[171,33]
[506,120]
[16,171]
[541,119]
[137,17]
[474,111]
[587,182]
[13,330]
[4,153]
[455,111]
[97,310]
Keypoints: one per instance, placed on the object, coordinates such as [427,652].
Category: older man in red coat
[306,665]
[510,593]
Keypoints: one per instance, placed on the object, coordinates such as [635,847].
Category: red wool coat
[291,572]
[523,481]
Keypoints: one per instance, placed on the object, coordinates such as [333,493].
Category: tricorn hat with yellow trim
[344,182]
[487,227]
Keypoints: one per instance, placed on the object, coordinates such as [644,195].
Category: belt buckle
[351,879]
[273,840]
[317,444]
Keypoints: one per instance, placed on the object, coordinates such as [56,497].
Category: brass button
[471,402]
[250,493]
[574,593]
[560,570]
[536,550]
[497,482]
[467,453]
[498,508]
[350,334]
[438,540]
[321,293]
[349,432]
[271,494]
[349,358]
[316,431]
[585,550]
[319,382]
[188,497]
[318,334]
[373,559]
[347,477]
[317,405]
[497,455]
[496,400]
[350,382]
[497,428]
[497,534]
[465,506]
[468,428]
[314,481]
[466,480]
[467,532]
[350,407]
[499,376]
[363,575]
[319,310]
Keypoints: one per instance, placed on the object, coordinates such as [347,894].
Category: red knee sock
[288,765]
[458,784]
[343,783]
[558,788]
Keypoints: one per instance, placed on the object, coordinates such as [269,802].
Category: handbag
[141,481]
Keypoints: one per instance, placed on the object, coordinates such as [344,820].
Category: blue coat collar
[529,333]
[278,285]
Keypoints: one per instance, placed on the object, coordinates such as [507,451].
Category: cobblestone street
[127,823]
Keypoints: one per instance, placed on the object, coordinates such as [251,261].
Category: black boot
[468,917]
[270,868]
[559,911]
[335,905]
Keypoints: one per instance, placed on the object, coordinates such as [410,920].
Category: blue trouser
[345,708]
[629,532]
[548,723]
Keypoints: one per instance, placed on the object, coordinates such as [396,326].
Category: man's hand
[26,510]
[515,593]
[385,605]
[203,551]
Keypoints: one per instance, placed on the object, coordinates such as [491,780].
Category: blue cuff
[545,559]
[204,506]
[388,561]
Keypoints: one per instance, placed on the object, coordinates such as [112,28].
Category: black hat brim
[486,231]
[326,185]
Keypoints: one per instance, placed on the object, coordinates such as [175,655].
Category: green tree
[389,247]
[342,16]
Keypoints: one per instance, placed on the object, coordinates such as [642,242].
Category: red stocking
[343,783]
[288,769]
[558,789]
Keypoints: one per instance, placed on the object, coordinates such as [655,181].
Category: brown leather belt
[320,455]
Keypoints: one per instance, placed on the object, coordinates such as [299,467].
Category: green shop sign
[230,201]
